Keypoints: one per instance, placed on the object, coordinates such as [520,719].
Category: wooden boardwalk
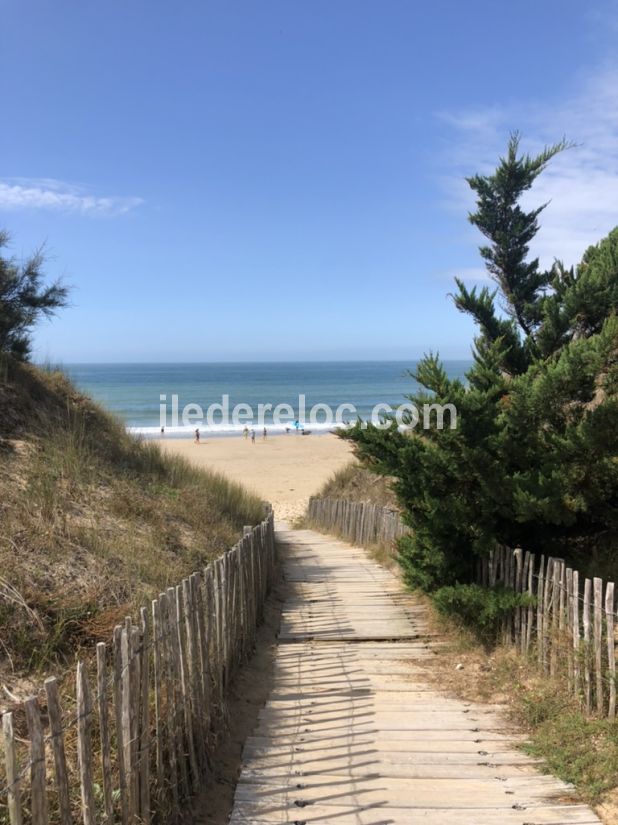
[352,733]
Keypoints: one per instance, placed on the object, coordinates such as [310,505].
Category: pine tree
[533,460]
[23,300]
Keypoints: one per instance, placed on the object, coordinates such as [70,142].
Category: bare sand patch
[282,469]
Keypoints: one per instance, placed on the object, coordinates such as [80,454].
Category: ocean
[145,396]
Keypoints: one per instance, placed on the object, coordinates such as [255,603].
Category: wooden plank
[127,721]
[562,599]
[135,687]
[217,627]
[38,790]
[554,638]
[587,645]
[144,720]
[547,813]
[84,745]
[568,633]
[56,732]
[118,724]
[195,686]
[211,630]
[540,629]
[176,685]
[202,673]
[523,611]
[104,734]
[185,687]
[576,633]
[530,618]
[169,720]
[598,642]
[13,775]
[517,586]
[611,648]
[157,681]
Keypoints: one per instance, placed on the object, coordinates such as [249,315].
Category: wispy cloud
[47,193]
[581,184]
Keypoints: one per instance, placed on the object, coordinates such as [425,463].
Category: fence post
[54,712]
[120,750]
[84,745]
[611,648]
[568,621]
[106,758]
[587,645]
[38,789]
[144,720]
[13,779]
[575,628]
[530,619]
[598,641]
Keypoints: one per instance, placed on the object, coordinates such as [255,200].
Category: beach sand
[283,469]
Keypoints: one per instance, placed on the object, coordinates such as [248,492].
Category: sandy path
[284,469]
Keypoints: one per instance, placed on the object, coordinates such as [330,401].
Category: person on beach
[245,432]
[253,436]
[197,436]
[264,434]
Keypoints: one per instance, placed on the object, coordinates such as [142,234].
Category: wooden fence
[132,742]
[569,625]
[359,522]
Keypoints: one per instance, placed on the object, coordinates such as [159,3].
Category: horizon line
[60,362]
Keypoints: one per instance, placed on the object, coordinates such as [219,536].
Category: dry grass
[355,483]
[92,522]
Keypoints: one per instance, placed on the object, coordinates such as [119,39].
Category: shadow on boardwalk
[351,731]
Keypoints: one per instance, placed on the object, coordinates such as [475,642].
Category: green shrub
[480,608]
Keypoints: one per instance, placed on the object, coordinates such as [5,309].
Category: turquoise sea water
[133,391]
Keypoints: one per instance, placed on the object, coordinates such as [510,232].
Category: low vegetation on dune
[356,483]
[92,522]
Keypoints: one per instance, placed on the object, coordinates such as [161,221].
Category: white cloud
[47,193]
[581,184]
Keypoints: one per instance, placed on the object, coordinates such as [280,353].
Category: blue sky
[283,180]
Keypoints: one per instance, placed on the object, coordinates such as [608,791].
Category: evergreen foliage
[533,460]
[23,300]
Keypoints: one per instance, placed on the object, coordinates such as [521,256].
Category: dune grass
[93,522]
[355,483]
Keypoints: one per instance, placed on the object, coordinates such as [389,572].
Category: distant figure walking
[245,432]
[264,434]
[253,436]
[197,436]
[162,430]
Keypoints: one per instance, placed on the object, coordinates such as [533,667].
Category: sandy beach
[283,469]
